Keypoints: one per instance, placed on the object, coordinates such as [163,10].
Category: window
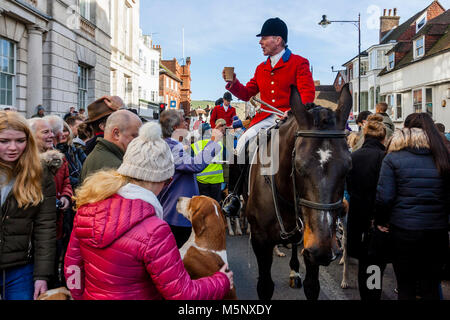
[373,60]
[399,107]
[83,77]
[421,22]
[419,47]
[85,9]
[153,67]
[167,83]
[429,101]
[350,72]
[145,64]
[371,98]
[417,100]
[364,101]
[153,96]
[7,72]
[141,59]
[140,92]
[355,103]
[377,95]
[391,64]
[364,67]
[127,34]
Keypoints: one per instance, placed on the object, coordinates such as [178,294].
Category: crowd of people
[90,202]
[399,194]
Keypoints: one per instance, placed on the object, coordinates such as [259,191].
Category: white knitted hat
[148,157]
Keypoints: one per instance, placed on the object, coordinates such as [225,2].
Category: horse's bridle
[324,134]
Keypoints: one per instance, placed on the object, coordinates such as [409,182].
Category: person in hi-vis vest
[210,180]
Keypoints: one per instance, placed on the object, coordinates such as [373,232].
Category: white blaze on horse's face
[324,155]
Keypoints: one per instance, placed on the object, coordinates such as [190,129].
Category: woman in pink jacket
[120,248]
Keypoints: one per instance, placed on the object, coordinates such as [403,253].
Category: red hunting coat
[274,84]
[219,113]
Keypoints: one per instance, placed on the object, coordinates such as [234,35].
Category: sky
[220,34]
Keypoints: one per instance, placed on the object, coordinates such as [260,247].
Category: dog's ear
[198,222]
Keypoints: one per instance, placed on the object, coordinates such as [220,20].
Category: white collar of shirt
[133,192]
[226,108]
[274,59]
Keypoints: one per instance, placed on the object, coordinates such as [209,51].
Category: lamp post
[325,22]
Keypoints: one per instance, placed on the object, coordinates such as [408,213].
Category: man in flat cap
[273,79]
[98,113]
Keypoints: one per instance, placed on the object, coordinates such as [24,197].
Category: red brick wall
[434,10]
[164,90]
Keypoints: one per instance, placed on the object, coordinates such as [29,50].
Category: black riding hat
[227,96]
[274,27]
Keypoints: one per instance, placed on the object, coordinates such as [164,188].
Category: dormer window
[391,64]
[421,22]
[419,47]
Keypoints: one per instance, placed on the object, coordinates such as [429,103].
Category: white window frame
[85,9]
[153,67]
[389,66]
[424,97]
[422,102]
[13,75]
[422,17]
[83,88]
[416,56]
[397,106]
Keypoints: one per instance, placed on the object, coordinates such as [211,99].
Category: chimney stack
[388,22]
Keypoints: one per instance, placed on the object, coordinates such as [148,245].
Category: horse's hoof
[342,261]
[344,284]
[239,233]
[231,233]
[295,282]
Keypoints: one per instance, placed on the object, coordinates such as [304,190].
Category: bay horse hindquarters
[307,190]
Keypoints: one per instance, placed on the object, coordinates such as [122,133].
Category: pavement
[242,262]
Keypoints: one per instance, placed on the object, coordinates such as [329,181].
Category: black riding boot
[232,204]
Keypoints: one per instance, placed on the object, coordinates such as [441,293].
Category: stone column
[34,70]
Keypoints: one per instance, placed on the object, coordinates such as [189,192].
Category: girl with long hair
[413,206]
[28,215]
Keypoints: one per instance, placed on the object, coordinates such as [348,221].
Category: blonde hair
[374,127]
[27,170]
[99,186]
[352,139]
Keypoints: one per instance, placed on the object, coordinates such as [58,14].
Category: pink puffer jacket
[123,251]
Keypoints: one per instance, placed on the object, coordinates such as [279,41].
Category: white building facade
[53,53]
[148,81]
[125,38]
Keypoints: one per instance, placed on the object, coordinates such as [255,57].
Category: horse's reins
[301,202]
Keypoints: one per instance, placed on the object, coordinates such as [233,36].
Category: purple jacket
[184,182]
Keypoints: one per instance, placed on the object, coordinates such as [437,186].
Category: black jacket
[362,185]
[411,193]
[31,232]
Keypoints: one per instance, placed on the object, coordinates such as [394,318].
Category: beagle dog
[205,251]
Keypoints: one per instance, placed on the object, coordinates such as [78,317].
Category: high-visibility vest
[213,173]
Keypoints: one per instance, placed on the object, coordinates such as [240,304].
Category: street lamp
[325,22]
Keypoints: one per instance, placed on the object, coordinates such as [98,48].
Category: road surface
[242,262]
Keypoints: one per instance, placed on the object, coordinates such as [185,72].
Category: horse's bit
[326,134]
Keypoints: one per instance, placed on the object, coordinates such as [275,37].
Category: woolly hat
[148,157]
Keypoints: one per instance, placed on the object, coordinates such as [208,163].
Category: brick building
[183,74]
[169,86]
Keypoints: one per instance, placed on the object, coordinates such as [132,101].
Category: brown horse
[308,189]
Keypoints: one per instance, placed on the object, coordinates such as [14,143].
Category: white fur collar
[133,192]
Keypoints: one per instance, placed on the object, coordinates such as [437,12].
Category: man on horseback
[273,80]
